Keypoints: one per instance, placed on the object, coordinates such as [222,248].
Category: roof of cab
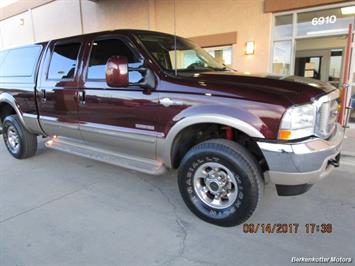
[119,31]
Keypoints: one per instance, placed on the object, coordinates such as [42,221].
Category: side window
[19,62]
[63,61]
[101,51]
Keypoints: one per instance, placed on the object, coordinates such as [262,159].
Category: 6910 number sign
[324,20]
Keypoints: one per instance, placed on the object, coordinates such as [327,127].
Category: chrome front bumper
[304,162]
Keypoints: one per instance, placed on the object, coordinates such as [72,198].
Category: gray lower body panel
[140,164]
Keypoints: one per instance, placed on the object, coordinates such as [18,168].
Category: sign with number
[324,20]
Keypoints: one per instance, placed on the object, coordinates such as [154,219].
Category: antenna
[175,56]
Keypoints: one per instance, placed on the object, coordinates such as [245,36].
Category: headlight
[298,122]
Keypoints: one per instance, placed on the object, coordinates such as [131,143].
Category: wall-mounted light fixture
[249,48]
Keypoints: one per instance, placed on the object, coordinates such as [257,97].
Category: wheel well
[6,110]
[195,134]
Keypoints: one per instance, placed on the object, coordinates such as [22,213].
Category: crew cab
[151,102]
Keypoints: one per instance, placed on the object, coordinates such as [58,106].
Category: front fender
[240,119]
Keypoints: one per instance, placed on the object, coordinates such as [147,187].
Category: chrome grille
[327,113]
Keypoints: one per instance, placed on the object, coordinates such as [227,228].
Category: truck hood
[285,90]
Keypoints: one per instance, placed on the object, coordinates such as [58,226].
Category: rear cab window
[64,60]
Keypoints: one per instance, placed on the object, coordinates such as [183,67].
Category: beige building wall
[56,19]
[16,30]
[62,18]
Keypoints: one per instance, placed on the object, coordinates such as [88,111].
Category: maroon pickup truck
[151,101]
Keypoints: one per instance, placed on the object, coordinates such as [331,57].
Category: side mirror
[117,71]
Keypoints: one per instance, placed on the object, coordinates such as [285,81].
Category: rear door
[57,94]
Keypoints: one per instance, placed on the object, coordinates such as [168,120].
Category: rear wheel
[220,181]
[18,140]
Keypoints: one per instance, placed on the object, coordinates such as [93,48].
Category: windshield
[189,57]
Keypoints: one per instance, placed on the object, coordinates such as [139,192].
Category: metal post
[175,56]
[344,101]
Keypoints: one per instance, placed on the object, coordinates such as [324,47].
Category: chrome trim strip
[326,98]
[318,104]
[32,116]
[121,132]
[115,131]
[53,121]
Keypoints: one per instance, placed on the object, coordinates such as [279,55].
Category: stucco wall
[193,18]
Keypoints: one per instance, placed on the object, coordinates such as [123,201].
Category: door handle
[44,95]
[82,97]
[166,102]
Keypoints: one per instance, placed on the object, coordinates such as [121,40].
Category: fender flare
[9,99]
[165,145]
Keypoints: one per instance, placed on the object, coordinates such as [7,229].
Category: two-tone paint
[150,119]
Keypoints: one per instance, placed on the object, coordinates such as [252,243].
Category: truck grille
[327,114]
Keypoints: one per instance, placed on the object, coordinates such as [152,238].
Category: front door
[57,94]
[122,120]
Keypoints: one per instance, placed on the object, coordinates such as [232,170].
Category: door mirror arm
[148,80]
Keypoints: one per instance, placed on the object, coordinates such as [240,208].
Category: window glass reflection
[281,57]
[102,51]
[324,22]
[283,26]
[63,62]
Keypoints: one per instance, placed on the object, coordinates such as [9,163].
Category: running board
[144,165]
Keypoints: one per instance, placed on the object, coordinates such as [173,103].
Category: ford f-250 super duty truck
[150,101]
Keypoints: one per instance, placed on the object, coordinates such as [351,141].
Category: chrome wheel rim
[13,139]
[215,185]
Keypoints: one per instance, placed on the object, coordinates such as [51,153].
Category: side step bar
[144,165]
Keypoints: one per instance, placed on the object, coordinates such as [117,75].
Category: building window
[281,57]
[223,54]
[294,27]
[283,26]
[335,68]
[324,22]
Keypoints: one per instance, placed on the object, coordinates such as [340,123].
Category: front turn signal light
[284,134]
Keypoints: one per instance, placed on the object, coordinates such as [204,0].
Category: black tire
[27,142]
[243,166]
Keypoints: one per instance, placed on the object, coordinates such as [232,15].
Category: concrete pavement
[59,209]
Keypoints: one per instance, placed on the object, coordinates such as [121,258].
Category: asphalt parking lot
[59,209]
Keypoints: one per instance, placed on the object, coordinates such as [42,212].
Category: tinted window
[63,62]
[20,62]
[102,51]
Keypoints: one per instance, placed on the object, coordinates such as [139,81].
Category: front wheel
[220,181]
[18,140]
